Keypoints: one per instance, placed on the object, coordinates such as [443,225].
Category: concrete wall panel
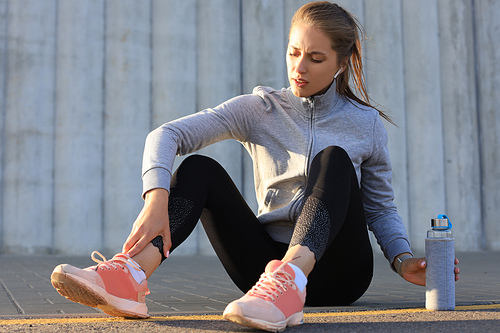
[29,127]
[4,17]
[127,114]
[487,27]
[174,60]
[460,126]
[78,152]
[424,117]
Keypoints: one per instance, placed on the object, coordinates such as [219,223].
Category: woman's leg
[329,244]
[332,226]
[202,188]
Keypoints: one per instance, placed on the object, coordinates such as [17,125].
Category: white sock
[300,277]
[139,276]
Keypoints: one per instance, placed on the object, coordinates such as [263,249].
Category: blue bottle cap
[442,222]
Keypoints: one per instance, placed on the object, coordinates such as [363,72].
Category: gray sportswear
[282,134]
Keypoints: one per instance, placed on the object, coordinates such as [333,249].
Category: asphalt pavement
[189,294]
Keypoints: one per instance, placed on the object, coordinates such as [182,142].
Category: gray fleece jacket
[283,133]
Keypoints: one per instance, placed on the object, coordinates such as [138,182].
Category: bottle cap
[441,222]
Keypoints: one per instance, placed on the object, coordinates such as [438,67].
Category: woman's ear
[343,64]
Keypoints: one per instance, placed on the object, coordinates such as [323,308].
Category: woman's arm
[378,195]
[230,120]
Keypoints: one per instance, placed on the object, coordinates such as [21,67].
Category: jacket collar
[323,104]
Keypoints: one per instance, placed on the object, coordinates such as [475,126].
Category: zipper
[311,135]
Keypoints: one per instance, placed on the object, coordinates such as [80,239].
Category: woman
[322,173]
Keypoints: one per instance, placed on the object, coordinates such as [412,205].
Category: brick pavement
[198,284]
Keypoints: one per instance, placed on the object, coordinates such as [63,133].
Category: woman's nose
[300,66]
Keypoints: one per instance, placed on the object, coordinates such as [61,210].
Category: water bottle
[440,273]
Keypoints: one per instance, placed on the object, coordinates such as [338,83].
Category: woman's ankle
[301,257]
[149,259]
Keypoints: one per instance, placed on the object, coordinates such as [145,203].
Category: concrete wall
[82,83]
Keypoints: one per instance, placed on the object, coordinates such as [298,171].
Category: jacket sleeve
[230,120]
[378,195]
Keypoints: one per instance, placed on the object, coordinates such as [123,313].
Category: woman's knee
[197,169]
[330,166]
[195,162]
[194,165]
[333,154]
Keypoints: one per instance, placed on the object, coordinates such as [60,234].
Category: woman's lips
[300,82]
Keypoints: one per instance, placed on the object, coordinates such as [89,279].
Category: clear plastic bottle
[440,272]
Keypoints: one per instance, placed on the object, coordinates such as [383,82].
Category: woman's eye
[316,61]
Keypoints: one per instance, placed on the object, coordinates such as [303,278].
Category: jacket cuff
[395,248]
[155,178]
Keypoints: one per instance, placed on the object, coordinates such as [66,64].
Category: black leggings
[201,189]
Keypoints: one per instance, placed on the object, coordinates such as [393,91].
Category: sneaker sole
[294,320]
[81,291]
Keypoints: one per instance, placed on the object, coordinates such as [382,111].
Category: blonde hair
[345,32]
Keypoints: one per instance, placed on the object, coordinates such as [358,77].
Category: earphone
[338,72]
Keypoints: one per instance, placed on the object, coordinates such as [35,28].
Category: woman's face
[310,60]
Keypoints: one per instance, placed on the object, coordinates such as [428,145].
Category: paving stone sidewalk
[199,284]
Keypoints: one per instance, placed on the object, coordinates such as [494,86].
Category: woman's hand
[151,222]
[413,270]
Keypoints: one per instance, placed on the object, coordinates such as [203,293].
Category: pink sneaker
[108,286]
[272,304]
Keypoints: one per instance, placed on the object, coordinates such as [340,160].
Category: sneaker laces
[118,261]
[273,284]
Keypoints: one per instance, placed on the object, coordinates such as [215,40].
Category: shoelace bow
[271,285]
[116,262]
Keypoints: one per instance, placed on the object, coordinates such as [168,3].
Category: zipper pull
[311,103]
